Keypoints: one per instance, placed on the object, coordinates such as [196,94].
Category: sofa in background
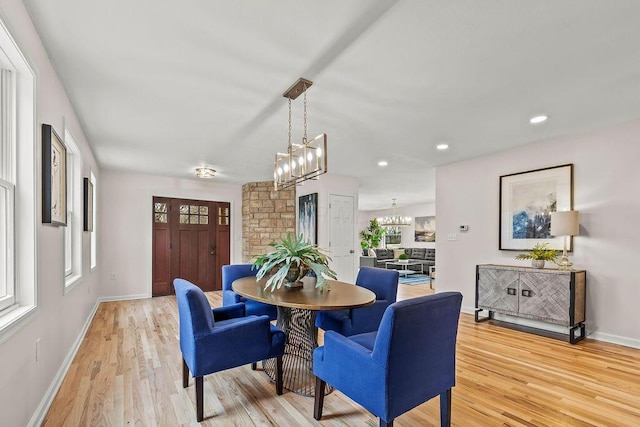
[426,257]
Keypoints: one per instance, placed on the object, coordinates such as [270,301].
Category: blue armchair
[235,271]
[222,338]
[411,359]
[384,283]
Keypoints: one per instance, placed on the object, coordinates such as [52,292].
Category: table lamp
[565,224]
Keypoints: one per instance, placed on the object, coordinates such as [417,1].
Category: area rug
[415,279]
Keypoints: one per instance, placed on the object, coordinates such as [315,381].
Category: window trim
[73,230]
[24,163]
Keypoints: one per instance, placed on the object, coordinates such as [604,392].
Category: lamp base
[564,263]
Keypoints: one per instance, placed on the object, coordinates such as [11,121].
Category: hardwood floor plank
[128,372]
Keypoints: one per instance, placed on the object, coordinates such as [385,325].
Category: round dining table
[297,309]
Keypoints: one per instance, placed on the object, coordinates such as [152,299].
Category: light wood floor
[127,372]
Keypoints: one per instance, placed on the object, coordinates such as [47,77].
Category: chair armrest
[348,366]
[229,312]
[236,336]
[345,352]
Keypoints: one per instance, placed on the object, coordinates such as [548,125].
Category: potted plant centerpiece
[370,237]
[290,260]
[403,258]
[539,254]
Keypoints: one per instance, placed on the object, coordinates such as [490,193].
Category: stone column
[266,216]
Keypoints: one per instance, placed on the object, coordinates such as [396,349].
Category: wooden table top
[341,296]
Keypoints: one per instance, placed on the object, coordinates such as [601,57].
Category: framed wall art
[88,205]
[308,217]
[425,229]
[526,202]
[54,178]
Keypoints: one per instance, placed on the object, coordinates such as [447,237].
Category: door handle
[213,248]
[511,291]
[351,251]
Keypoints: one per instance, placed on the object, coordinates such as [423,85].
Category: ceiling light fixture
[383,163]
[205,172]
[538,119]
[304,161]
[442,146]
[395,218]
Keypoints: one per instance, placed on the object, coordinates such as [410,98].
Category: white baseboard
[124,298]
[45,403]
[615,339]
[594,335]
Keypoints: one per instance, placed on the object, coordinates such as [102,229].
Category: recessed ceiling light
[538,119]
[442,146]
[383,163]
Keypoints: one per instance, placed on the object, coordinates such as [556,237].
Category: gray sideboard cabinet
[548,295]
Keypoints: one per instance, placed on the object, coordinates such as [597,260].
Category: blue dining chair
[212,340]
[383,283]
[235,271]
[409,360]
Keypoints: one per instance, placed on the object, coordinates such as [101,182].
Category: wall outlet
[37,349]
[452,237]
[113,276]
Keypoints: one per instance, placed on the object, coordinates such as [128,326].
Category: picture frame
[54,178]
[526,202]
[308,217]
[88,204]
[425,229]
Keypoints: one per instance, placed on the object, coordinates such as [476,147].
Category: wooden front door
[191,240]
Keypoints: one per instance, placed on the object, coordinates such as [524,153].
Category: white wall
[60,318]
[408,233]
[607,194]
[126,225]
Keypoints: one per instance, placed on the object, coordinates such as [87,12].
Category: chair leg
[319,398]
[445,409]
[185,374]
[199,399]
[254,366]
[279,375]
[384,423]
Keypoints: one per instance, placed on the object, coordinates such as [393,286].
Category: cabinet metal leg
[482,319]
[572,333]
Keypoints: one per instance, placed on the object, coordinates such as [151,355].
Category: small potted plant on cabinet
[539,254]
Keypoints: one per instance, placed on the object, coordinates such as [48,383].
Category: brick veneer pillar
[266,216]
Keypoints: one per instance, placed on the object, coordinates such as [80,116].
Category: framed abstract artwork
[425,229]
[526,202]
[88,205]
[308,217]
[54,178]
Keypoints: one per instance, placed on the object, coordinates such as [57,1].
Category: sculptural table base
[299,325]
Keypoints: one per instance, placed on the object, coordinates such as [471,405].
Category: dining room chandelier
[307,160]
[395,218]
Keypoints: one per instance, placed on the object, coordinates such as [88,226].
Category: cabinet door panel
[498,290]
[549,296]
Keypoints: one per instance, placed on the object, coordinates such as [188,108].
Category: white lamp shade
[565,223]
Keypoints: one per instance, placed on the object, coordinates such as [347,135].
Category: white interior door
[341,236]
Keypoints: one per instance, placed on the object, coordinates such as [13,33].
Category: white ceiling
[162,86]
